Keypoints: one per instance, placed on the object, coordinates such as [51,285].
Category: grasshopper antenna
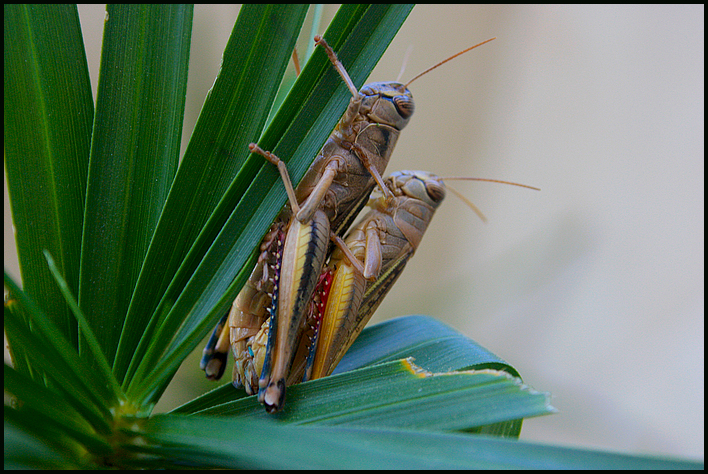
[405,62]
[448,59]
[469,203]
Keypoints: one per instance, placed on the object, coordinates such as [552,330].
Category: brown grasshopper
[333,190]
[365,267]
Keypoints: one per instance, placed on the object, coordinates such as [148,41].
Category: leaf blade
[48,121]
[134,154]
[229,443]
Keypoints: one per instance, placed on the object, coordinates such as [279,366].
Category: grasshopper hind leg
[304,255]
[214,355]
[250,312]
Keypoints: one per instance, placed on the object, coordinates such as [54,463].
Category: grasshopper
[369,262]
[353,158]
[332,192]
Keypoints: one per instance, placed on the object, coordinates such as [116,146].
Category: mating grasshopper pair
[294,317]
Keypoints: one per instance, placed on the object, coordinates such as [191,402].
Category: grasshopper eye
[404,105]
[436,190]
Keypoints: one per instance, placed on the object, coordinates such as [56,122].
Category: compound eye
[404,106]
[436,192]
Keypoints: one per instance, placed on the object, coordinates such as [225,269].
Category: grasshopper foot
[215,366]
[275,396]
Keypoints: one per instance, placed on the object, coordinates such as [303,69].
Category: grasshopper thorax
[387,103]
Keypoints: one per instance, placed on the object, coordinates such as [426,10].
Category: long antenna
[469,203]
[448,59]
[457,178]
[405,61]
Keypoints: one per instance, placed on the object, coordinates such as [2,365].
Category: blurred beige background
[592,288]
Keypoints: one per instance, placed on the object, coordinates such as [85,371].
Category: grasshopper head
[388,103]
[420,185]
